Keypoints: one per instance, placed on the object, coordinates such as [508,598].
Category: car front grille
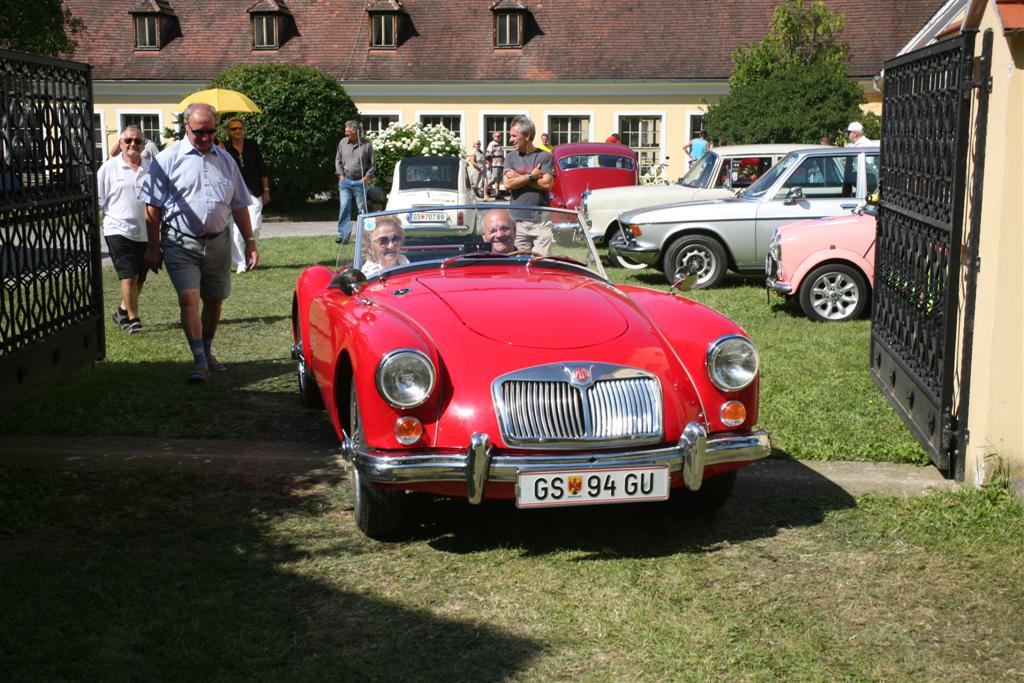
[564,404]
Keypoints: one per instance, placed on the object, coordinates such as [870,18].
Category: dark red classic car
[481,352]
[586,166]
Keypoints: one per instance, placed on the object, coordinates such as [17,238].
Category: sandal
[215,364]
[120,318]
[198,374]
[134,326]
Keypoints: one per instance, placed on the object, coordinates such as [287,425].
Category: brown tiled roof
[452,40]
[267,6]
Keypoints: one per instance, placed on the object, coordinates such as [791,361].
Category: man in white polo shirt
[124,222]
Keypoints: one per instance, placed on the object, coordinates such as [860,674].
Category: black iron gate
[915,312]
[51,321]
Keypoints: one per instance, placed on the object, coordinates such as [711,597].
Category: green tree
[792,86]
[43,27]
[303,119]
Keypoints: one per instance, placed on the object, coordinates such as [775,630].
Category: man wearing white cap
[855,131]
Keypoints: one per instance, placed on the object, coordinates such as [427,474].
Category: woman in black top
[249,158]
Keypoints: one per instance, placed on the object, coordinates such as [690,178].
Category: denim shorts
[202,263]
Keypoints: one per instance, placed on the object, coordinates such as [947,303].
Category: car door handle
[848,206]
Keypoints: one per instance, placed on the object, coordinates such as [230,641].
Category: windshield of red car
[575,162]
[433,236]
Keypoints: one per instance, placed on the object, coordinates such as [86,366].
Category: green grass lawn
[817,399]
[173,575]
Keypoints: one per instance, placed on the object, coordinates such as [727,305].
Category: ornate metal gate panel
[51,320]
[925,148]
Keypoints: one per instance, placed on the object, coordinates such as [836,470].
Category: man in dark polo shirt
[529,175]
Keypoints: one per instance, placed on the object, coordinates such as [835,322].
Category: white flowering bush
[401,140]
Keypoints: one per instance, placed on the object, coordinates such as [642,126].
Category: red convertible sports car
[586,166]
[480,352]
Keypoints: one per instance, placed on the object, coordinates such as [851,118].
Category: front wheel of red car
[713,494]
[309,392]
[379,512]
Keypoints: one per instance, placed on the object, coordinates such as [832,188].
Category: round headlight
[732,362]
[405,378]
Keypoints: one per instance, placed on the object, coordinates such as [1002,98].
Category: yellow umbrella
[222,100]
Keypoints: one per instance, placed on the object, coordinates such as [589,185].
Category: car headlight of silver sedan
[405,378]
[732,362]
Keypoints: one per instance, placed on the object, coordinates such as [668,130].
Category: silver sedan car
[734,233]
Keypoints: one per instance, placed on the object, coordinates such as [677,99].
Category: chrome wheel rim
[834,296]
[702,257]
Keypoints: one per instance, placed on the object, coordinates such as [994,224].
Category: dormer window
[508,29]
[265,32]
[509,24]
[385,23]
[270,24]
[147,32]
[156,24]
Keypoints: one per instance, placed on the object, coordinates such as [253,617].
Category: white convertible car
[716,175]
[421,182]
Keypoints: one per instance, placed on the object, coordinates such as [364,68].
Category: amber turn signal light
[408,430]
[733,413]
[634,229]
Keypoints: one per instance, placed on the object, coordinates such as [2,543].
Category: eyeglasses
[202,131]
[132,141]
[234,128]
[388,239]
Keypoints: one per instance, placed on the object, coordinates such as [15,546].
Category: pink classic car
[828,264]
[586,166]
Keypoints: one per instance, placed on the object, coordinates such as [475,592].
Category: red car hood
[544,310]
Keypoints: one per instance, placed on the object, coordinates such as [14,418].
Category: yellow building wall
[996,419]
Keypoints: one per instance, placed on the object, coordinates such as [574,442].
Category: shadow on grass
[192,577]
[769,496]
[655,279]
[253,400]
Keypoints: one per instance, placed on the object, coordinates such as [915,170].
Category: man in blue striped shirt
[193,190]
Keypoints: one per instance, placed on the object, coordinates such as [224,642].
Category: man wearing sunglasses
[124,222]
[192,192]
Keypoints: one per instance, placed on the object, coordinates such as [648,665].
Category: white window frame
[146,112]
[447,112]
[689,133]
[104,144]
[382,112]
[482,126]
[663,115]
[146,17]
[574,112]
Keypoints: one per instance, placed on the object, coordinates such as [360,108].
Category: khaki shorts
[202,263]
[534,237]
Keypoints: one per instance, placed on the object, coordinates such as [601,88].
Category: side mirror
[685,277]
[794,195]
[349,281]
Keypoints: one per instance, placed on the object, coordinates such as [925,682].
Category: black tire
[833,292]
[713,493]
[309,392]
[379,513]
[706,252]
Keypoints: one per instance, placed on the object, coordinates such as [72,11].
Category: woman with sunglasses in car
[385,242]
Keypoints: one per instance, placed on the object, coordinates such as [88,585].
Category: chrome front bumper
[778,287]
[478,464]
[634,250]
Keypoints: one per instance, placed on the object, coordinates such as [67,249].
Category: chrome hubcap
[701,258]
[834,296]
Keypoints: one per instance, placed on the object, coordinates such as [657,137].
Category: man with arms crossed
[529,175]
[124,222]
[192,191]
